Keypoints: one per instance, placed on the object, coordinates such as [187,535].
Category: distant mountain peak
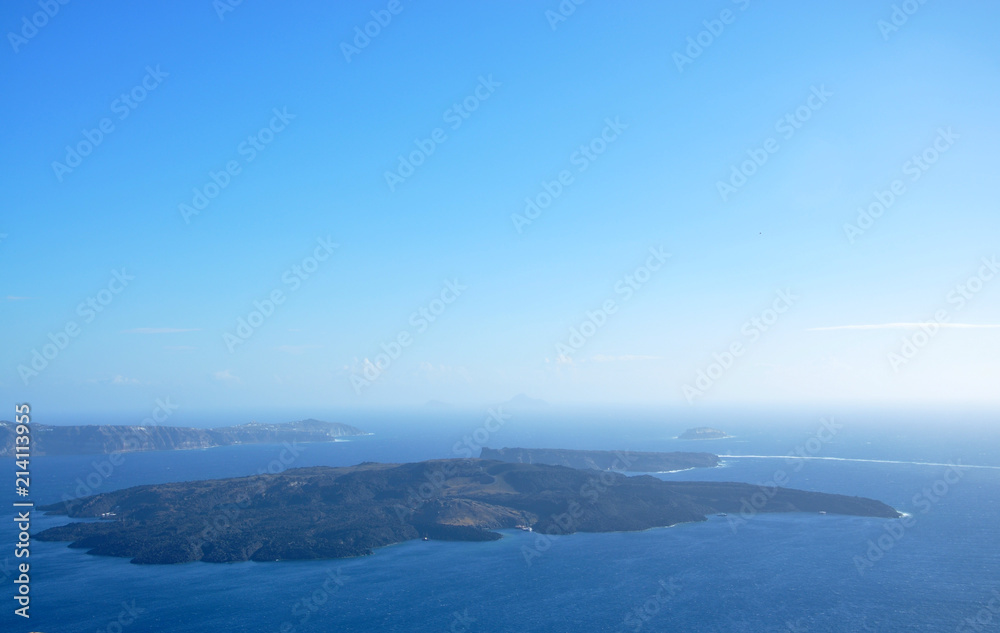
[523,401]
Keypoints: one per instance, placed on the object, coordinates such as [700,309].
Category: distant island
[625,461]
[522,401]
[97,439]
[323,512]
[703,433]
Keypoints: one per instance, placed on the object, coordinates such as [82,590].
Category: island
[703,433]
[97,439]
[625,461]
[524,402]
[325,512]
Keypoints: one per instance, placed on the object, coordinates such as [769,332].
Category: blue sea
[747,572]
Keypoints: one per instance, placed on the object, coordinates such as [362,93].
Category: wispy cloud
[180,348]
[296,349]
[906,326]
[116,380]
[436,373]
[160,330]
[563,359]
[226,376]
[13,298]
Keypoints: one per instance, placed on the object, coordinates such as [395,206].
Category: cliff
[95,439]
[626,461]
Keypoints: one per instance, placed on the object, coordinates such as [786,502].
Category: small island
[324,512]
[703,433]
[624,461]
[98,439]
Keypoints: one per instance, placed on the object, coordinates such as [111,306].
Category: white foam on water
[851,459]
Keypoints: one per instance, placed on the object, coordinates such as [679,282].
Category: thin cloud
[160,330]
[180,348]
[118,379]
[226,376]
[296,349]
[13,298]
[905,326]
[563,359]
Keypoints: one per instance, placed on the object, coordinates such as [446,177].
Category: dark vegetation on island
[703,433]
[625,461]
[323,512]
[97,439]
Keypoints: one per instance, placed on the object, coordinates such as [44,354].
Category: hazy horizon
[795,211]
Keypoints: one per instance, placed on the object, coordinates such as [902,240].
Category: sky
[385,203]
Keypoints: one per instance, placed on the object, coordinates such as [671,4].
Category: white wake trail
[851,459]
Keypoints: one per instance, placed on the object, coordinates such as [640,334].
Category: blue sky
[658,134]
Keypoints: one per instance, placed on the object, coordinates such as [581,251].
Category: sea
[936,570]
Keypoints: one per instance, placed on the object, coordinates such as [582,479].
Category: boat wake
[851,459]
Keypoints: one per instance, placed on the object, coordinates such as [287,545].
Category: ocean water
[755,572]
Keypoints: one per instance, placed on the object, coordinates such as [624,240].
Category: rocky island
[625,461]
[96,439]
[703,433]
[324,512]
